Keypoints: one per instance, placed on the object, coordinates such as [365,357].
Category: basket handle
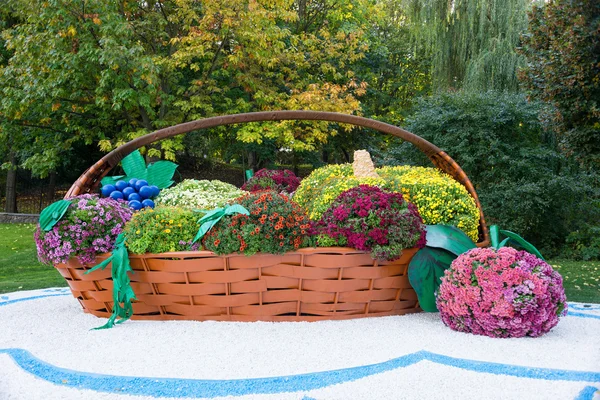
[90,179]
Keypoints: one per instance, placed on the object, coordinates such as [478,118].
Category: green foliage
[162,229]
[583,244]
[562,48]
[523,183]
[471,42]
[395,69]
[109,72]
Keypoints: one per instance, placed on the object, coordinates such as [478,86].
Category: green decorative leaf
[522,243]
[122,291]
[53,213]
[212,217]
[134,165]
[448,238]
[425,272]
[495,236]
[160,173]
[111,180]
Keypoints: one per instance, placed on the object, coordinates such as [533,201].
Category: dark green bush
[523,182]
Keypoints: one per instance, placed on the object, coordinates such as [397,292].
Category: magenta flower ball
[501,293]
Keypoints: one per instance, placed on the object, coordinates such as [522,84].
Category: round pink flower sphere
[501,293]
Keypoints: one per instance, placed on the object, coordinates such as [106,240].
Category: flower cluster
[275,225]
[199,195]
[270,179]
[89,227]
[318,190]
[369,219]
[439,198]
[162,229]
[501,293]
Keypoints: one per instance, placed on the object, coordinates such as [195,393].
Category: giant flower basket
[305,284]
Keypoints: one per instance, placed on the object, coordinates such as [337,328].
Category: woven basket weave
[305,285]
[309,284]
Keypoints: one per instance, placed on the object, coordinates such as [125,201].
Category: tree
[471,42]
[95,71]
[562,48]
[524,184]
[394,74]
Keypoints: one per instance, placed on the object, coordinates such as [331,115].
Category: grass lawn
[20,270]
[19,267]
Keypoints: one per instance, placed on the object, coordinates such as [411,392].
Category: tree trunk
[325,156]
[10,205]
[346,155]
[51,187]
[252,161]
[295,164]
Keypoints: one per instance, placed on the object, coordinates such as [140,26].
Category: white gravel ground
[55,330]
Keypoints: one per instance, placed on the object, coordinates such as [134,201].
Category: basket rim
[335,251]
[90,179]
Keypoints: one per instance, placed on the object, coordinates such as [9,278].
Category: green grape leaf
[134,165]
[161,173]
[53,213]
[425,271]
[448,238]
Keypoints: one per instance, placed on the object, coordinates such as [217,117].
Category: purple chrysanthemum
[90,226]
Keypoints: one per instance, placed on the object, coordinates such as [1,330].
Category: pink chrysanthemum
[501,293]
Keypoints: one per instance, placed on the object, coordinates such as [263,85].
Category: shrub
[200,195]
[439,198]
[271,179]
[89,227]
[501,293]
[162,229]
[524,184]
[369,219]
[583,244]
[275,225]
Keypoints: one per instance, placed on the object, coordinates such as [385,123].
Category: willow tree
[472,43]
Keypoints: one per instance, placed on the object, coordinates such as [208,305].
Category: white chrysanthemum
[199,194]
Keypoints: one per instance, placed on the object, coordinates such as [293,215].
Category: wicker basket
[305,285]
[309,284]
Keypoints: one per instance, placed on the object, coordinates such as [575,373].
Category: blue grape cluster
[137,192]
